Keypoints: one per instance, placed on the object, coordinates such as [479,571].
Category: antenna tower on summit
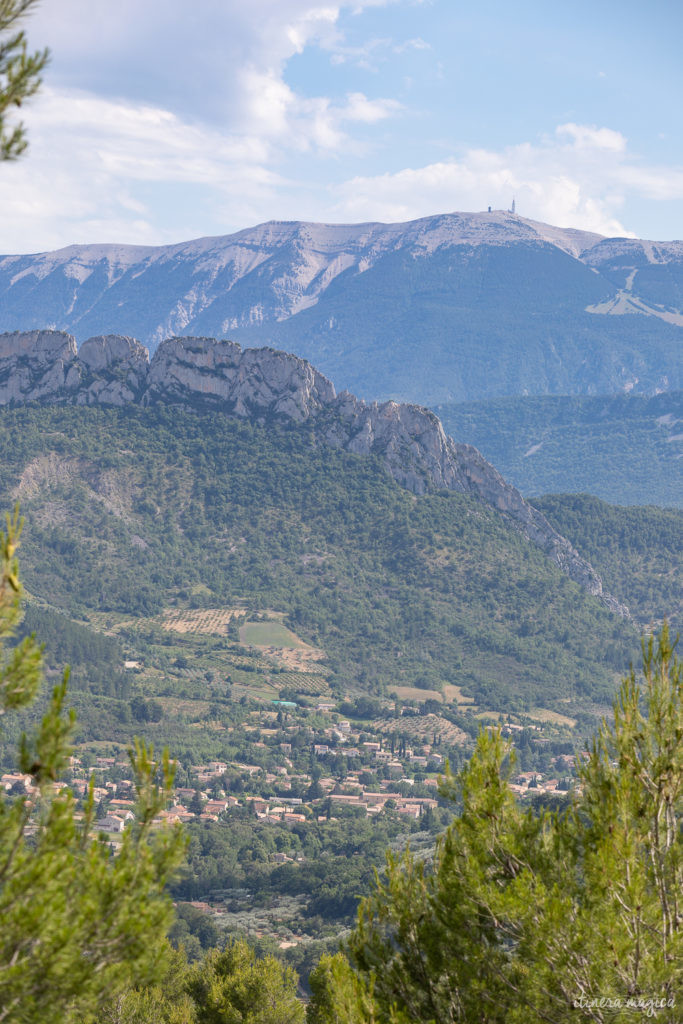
[513,208]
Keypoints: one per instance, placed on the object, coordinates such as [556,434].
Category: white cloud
[164,120]
[374,52]
[360,108]
[146,102]
[219,61]
[313,23]
[93,162]
[580,177]
[222,65]
[653,182]
[411,44]
[584,136]
[108,170]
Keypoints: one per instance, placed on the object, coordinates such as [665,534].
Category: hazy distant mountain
[447,308]
[626,449]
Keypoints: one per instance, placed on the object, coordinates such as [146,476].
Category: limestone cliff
[45,366]
[453,307]
[37,366]
[113,370]
[242,383]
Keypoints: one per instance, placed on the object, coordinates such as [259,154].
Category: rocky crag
[46,367]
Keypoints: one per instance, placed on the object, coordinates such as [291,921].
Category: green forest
[507,915]
[132,512]
[280,741]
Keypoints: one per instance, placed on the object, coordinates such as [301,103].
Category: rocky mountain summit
[263,384]
[454,307]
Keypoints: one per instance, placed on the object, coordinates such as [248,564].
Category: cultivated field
[454,695]
[269,633]
[451,694]
[554,717]
[279,643]
[212,621]
[415,693]
[422,727]
[310,683]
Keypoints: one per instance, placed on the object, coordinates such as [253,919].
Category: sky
[162,120]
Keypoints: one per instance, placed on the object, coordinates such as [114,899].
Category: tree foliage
[522,917]
[231,985]
[77,923]
[234,987]
[165,1001]
[612,447]
[19,74]
[338,995]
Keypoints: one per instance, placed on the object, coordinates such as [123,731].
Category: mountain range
[455,307]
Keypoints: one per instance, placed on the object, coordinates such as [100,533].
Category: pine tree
[77,925]
[338,996]
[19,74]
[234,987]
[196,803]
[557,917]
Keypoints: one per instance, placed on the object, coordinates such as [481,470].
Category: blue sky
[163,121]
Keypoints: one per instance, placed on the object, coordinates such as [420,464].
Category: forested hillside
[132,513]
[637,551]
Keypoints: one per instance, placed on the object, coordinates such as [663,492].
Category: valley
[341,513]
[221,513]
[315,604]
[289,792]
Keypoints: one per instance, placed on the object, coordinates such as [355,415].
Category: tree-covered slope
[625,449]
[133,511]
[637,551]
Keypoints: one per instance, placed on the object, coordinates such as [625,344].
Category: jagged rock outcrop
[252,382]
[410,440]
[37,366]
[113,370]
[419,455]
[44,366]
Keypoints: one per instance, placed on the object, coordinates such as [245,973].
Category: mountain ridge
[46,366]
[449,307]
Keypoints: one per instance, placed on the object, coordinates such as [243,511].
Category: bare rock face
[410,440]
[256,382]
[264,383]
[184,369]
[113,352]
[37,365]
[114,370]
